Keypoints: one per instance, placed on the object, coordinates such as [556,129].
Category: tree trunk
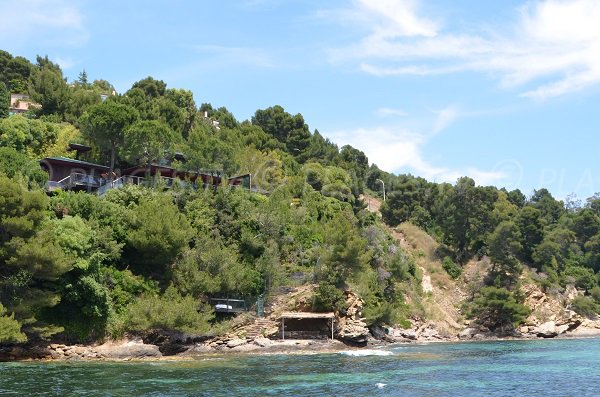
[113,149]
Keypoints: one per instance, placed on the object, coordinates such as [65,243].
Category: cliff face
[443,298]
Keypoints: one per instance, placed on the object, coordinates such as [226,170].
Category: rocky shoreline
[261,336]
[135,349]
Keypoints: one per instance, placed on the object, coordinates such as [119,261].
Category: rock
[561,329]
[430,333]
[524,329]
[409,334]
[571,292]
[79,350]
[245,348]
[350,327]
[353,331]
[426,282]
[200,348]
[547,330]
[169,343]
[378,332]
[129,349]
[263,342]
[468,333]
[236,342]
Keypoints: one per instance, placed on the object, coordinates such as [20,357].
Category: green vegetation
[585,306]
[558,240]
[85,267]
[451,268]
[139,258]
[497,308]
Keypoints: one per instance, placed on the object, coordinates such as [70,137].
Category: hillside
[135,213]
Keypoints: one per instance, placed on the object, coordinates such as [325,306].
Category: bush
[595,293]
[10,329]
[328,298]
[585,306]
[496,308]
[389,313]
[581,277]
[451,268]
[170,312]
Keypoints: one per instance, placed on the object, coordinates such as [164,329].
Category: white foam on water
[380,385]
[367,353]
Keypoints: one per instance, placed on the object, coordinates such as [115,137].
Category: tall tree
[148,141]
[504,247]
[4,101]
[105,125]
[151,87]
[288,129]
[48,88]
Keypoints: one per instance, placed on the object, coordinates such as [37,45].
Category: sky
[506,92]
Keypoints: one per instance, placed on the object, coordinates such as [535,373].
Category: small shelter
[306,323]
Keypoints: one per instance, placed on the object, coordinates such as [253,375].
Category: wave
[367,353]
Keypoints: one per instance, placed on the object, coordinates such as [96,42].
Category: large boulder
[468,333]
[350,326]
[132,349]
[547,330]
[353,331]
[409,334]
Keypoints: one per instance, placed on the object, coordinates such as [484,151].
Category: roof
[307,315]
[239,176]
[73,162]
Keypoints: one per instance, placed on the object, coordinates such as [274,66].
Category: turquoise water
[532,368]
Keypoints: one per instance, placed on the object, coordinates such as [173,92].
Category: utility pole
[383,187]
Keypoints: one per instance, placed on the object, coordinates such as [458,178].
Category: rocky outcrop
[351,327]
[131,349]
[171,343]
[120,350]
[549,318]
[547,330]
[469,333]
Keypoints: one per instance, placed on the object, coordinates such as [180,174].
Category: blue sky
[506,92]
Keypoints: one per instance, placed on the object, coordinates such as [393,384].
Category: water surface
[516,368]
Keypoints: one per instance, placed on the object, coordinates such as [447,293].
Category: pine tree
[4,101]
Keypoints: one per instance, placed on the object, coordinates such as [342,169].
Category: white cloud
[385,112]
[445,117]
[398,18]
[551,48]
[65,63]
[48,22]
[400,150]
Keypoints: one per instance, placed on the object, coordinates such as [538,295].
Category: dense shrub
[171,311]
[585,306]
[497,308]
[451,268]
[328,298]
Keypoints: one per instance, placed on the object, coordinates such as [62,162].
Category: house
[73,174]
[20,103]
[78,175]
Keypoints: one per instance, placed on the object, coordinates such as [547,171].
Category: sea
[505,368]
